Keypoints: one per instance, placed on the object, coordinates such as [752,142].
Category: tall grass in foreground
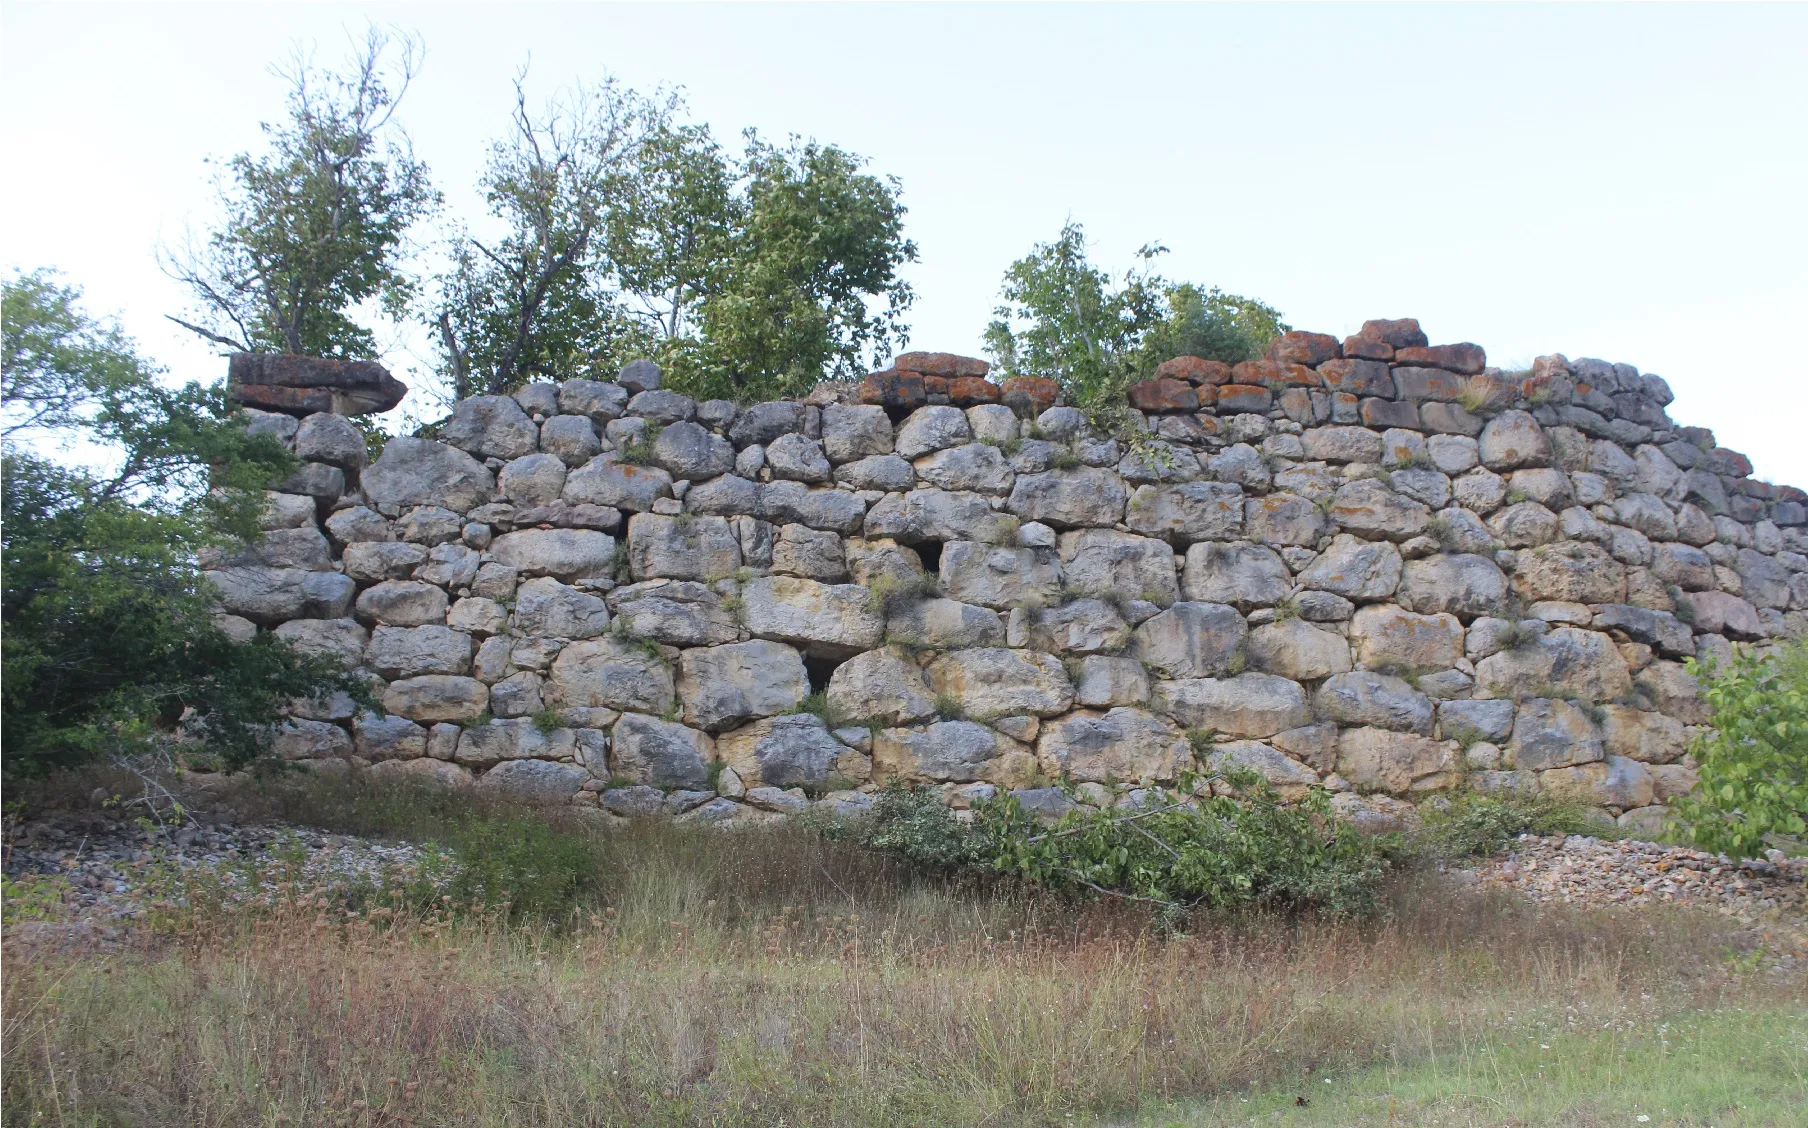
[776,976]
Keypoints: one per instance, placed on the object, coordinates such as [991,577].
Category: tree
[1064,319]
[1753,755]
[535,302]
[109,639]
[672,226]
[816,242]
[314,228]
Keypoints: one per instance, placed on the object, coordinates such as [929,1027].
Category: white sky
[1625,182]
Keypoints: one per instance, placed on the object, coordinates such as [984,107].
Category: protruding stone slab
[303,385]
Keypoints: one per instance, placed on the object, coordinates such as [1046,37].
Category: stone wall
[1371,564]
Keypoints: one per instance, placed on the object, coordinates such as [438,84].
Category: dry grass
[777,976]
[774,977]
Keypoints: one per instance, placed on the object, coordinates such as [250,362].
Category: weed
[638,450]
[1010,447]
[949,708]
[1201,740]
[1473,396]
[818,704]
[1064,459]
[889,594]
[1470,823]
[1515,497]
[548,719]
[1286,609]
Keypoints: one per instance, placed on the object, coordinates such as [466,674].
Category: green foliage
[888,594]
[817,704]
[1754,755]
[948,707]
[548,719]
[1470,823]
[534,303]
[1210,324]
[314,228]
[638,450]
[1064,319]
[109,636]
[814,243]
[1222,852]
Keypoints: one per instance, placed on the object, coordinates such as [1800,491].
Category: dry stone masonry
[1374,564]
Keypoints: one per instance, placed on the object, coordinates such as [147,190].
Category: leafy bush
[1470,823]
[1220,852]
[1754,757]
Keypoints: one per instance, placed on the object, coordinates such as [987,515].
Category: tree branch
[210,335]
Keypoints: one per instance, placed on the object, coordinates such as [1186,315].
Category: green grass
[1741,1066]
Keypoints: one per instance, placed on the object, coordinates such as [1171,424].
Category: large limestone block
[299,739]
[1001,577]
[1570,572]
[675,612]
[1463,584]
[1615,782]
[1108,564]
[880,686]
[813,553]
[1191,640]
[938,515]
[1669,781]
[565,554]
[326,437]
[422,772]
[437,697]
[1242,575]
[594,399]
[826,620]
[1488,719]
[764,422]
[1576,663]
[359,523]
[1552,733]
[885,472]
[1285,775]
[491,427]
[388,737]
[1364,697]
[1684,565]
[605,481]
[978,467]
[1651,738]
[1715,612]
[681,548]
[931,429]
[406,652]
[944,624]
[789,751]
[610,673]
[1295,649]
[1387,637]
[798,458]
[304,548]
[1106,681]
[537,479]
[1084,626]
[403,603]
[1674,691]
[1281,518]
[996,682]
[1068,499]
[1370,509]
[658,753]
[1342,444]
[837,511]
[374,561]
[868,559]
[1382,760]
[726,686]
[424,472]
[516,738]
[1122,745]
[690,452]
[1187,512]
[273,595]
[546,608]
[1513,439]
[853,432]
[534,781]
[341,639]
[951,751]
[572,438]
[1355,569]
[1763,581]
[1255,705]
[1525,524]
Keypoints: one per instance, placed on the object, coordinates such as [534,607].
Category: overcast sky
[1625,182]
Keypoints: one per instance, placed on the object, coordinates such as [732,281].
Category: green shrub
[638,450]
[1473,824]
[1222,853]
[1754,757]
